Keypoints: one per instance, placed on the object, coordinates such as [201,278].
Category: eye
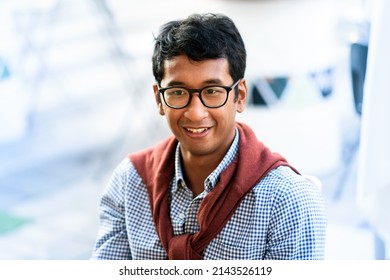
[176,92]
[213,90]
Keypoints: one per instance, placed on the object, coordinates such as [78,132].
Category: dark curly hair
[200,37]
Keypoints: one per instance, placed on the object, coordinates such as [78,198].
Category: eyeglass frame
[191,91]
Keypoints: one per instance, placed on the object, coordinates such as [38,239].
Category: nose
[196,111]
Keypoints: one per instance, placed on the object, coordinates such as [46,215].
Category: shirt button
[182,216]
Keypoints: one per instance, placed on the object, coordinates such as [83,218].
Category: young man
[212,190]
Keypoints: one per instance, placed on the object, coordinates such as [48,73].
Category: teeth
[196,130]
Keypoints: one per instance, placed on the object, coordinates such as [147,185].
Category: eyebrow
[207,82]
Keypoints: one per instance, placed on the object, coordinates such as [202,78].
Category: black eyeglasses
[210,96]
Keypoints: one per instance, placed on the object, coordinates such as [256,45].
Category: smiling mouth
[196,130]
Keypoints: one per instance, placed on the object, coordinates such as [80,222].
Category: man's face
[201,131]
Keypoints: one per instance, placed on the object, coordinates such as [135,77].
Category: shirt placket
[181,198]
[184,214]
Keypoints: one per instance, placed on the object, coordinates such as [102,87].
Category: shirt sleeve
[297,229]
[112,242]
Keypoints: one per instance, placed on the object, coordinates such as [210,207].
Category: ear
[157,97]
[242,95]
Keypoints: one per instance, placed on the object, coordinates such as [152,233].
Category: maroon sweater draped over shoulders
[156,168]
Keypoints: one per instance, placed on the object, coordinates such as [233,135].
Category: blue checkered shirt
[282,217]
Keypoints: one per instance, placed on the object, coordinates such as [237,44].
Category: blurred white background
[76,97]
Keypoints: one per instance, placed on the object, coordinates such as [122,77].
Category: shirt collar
[212,179]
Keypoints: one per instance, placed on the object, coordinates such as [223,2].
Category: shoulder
[124,168]
[150,154]
[289,189]
[149,160]
[123,175]
[284,179]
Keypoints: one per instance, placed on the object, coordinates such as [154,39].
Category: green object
[10,222]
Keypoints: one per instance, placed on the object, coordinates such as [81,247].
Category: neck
[197,167]
[196,170]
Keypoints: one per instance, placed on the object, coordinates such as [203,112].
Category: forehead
[181,68]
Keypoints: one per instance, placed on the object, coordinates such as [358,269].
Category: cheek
[170,115]
[225,118]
